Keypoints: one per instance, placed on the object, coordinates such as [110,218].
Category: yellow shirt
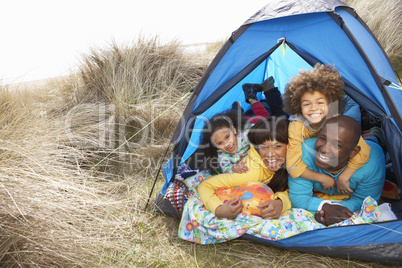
[258,171]
[298,132]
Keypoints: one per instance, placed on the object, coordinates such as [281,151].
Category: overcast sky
[45,38]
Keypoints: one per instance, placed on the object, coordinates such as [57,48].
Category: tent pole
[156,177]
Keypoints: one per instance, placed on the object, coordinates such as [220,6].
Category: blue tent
[279,40]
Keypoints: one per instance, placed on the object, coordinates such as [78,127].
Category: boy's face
[314,107]
[225,140]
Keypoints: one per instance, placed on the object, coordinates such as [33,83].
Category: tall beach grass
[71,194]
[384,19]
[130,74]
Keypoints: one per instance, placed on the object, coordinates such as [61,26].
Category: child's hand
[230,209]
[240,168]
[271,209]
[328,183]
[342,185]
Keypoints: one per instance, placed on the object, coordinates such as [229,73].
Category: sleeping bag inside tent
[279,40]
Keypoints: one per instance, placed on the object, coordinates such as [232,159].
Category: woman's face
[273,153]
[225,140]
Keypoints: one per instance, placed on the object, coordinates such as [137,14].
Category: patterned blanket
[201,226]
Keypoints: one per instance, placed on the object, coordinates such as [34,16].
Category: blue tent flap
[369,242]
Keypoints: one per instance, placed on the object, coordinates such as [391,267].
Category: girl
[312,97]
[225,140]
[265,160]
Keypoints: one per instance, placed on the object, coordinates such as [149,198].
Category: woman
[265,162]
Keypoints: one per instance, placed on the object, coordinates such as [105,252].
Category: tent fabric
[371,242]
[288,8]
[279,40]
[316,35]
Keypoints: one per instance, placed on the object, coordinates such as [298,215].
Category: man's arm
[301,194]
[301,190]
[368,180]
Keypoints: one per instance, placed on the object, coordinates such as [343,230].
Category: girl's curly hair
[323,79]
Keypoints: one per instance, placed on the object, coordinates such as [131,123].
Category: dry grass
[54,211]
[126,75]
[384,18]
[75,178]
[71,195]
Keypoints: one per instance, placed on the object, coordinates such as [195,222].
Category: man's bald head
[350,125]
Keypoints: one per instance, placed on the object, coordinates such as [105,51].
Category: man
[329,154]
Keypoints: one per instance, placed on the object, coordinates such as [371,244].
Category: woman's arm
[206,189]
[284,197]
